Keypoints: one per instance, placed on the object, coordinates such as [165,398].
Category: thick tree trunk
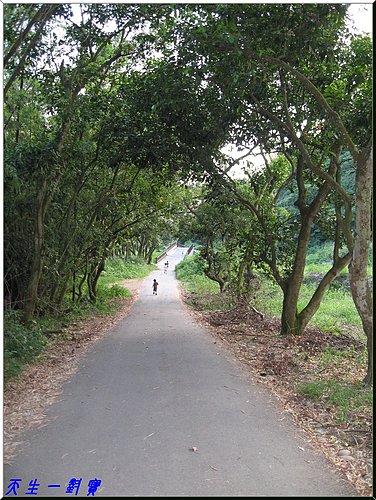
[141,247]
[291,321]
[289,314]
[251,283]
[360,287]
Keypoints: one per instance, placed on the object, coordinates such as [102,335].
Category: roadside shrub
[190,267]
[21,344]
[105,293]
[119,269]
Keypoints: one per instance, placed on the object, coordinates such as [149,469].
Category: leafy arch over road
[113,115]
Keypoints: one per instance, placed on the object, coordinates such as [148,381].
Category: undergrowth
[343,397]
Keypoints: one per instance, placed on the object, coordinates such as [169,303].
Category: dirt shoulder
[280,363]
[27,398]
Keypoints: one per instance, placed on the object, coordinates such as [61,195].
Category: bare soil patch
[281,363]
[27,398]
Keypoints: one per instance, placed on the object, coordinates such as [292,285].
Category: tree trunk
[89,281]
[74,286]
[211,272]
[141,247]
[98,273]
[251,283]
[18,121]
[221,282]
[289,313]
[291,321]
[240,285]
[93,278]
[309,311]
[291,290]
[54,288]
[23,35]
[80,286]
[63,290]
[360,287]
[150,255]
[37,261]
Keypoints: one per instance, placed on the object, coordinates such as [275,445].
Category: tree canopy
[110,109]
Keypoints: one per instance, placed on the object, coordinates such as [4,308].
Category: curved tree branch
[323,103]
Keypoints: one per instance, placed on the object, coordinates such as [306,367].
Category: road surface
[158,409]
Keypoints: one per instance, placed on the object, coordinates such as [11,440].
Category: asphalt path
[158,408]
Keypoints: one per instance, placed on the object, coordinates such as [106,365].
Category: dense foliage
[111,110]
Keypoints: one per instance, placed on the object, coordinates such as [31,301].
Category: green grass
[201,285]
[345,397]
[190,267]
[332,357]
[190,273]
[320,254]
[118,269]
[336,312]
[319,260]
[269,299]
[21,343]
[337,308]
[206,295]
[205,292]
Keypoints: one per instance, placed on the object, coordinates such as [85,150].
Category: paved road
[153,389]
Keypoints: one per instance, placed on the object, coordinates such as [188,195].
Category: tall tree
[285,68]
